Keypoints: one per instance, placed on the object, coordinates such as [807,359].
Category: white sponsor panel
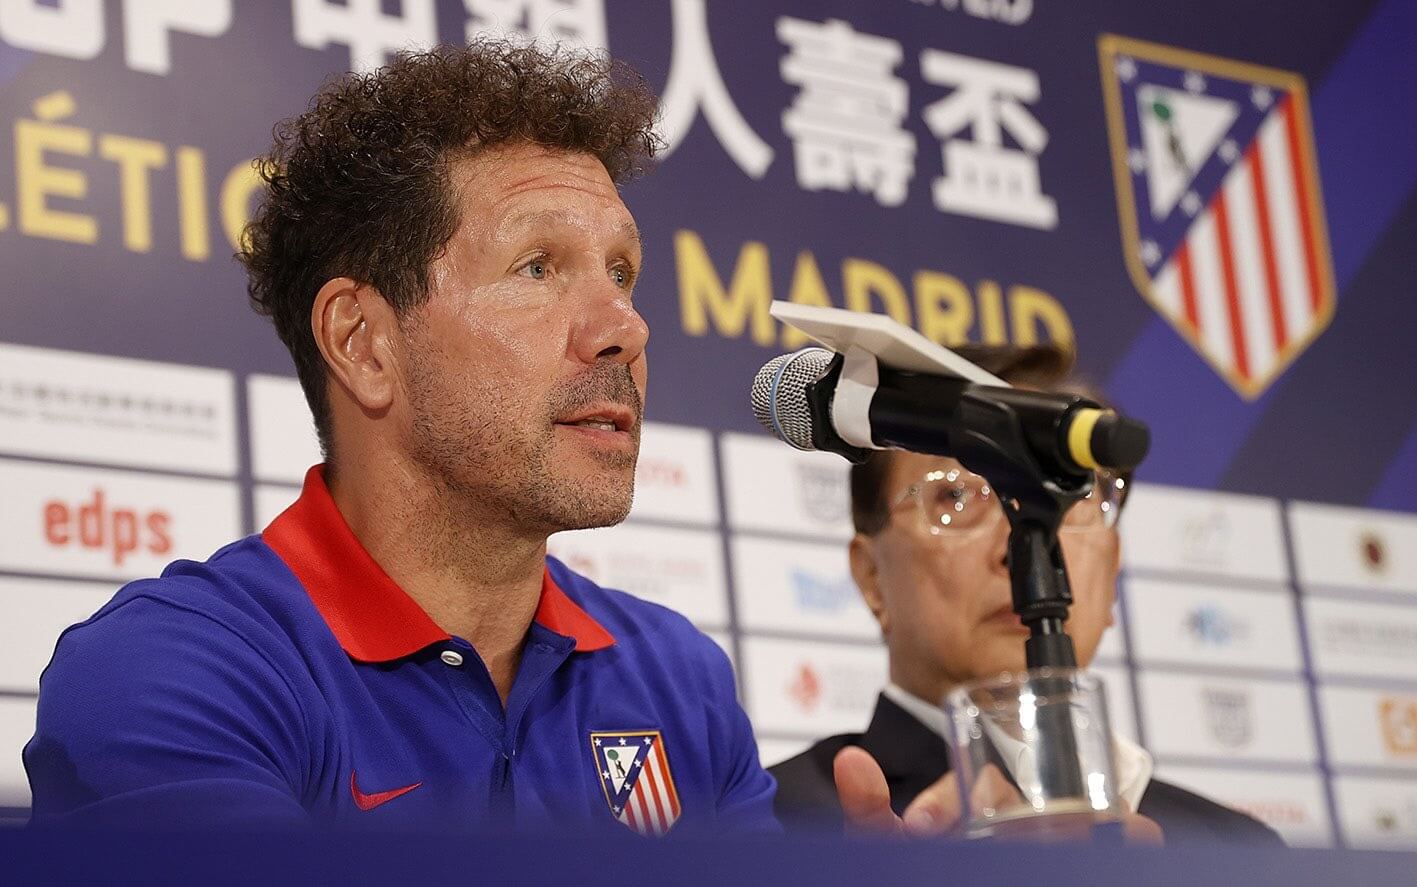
[809,688]
[772,752]
[36,612]
[1120,710]
[674,478]
[1377,813]
[269,502]
[770,486]
[1226,718]
[1362,639]
[803,587]
[1354,547]
[16,729]
[680,569]
[1369,727]
[1202,531]
[1292,804]
[283,441]
[116,411]
[1187,623]
[93,522]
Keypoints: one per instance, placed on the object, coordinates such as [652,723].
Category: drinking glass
[1033,754]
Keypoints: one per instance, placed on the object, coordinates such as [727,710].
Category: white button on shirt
[451,657]
[1134,763]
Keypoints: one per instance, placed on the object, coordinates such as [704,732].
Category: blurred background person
[930,560]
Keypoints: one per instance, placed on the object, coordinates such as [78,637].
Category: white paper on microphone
[893,344]
[865,341]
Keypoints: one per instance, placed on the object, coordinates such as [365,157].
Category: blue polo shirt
[289,680]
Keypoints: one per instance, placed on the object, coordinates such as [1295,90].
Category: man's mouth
[595,422]
[602,417]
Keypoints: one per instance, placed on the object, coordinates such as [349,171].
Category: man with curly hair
[444,251]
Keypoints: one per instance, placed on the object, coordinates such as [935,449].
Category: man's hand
[866,800]
[866,803]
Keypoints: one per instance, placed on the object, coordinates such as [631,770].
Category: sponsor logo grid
[747,538]
[170,486]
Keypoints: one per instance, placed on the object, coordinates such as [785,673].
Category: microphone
[812,400]
[882,385]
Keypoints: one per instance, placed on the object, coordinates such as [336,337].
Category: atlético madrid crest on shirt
[1218,190]
[634,772]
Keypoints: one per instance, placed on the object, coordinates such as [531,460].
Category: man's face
[526,366]
[943,600]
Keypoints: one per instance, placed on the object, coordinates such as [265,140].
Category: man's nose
[609,326]
[999,540]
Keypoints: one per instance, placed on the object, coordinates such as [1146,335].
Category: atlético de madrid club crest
[634,772]
[1218,191]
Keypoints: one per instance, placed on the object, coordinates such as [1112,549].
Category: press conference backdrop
[1213,200]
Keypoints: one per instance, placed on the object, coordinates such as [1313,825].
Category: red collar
[373,619]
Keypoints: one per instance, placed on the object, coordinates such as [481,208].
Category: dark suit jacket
[913,757]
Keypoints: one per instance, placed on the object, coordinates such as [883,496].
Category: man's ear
[354,329]
[862,553]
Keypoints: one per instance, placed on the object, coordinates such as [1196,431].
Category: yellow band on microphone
[1080,437]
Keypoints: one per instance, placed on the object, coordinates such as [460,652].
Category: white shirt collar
[932,716]
[1134,764]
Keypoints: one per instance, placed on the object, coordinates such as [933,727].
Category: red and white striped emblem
[1221,210]
[633,767]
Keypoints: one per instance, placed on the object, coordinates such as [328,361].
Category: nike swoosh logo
[374,799]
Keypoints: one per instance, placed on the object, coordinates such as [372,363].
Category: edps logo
[96,525]
[70,520]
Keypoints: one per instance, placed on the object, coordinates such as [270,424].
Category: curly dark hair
[358,185]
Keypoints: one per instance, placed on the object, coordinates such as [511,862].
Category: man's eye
[621,276]
[536,270]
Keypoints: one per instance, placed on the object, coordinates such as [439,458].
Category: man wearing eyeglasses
[929,560]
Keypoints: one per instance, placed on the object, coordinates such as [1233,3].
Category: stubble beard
[501,465]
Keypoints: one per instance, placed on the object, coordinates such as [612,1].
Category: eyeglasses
[956,500]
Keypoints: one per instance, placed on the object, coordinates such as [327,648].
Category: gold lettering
[1030,307]
[36,182]
[991,314]
[808,288]
[192,204]
[943,308]
[136,158]
[702,297]
[236,191]
[862,279]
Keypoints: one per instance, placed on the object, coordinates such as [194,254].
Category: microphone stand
[983,428]
[1041,597]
